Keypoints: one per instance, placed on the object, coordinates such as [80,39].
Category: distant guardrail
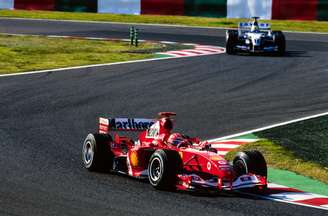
[266,9]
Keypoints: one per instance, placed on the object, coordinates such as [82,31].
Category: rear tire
[250,162]
[96,153]
[231,41]
[163,167]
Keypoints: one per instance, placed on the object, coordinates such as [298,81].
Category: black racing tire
[163,167]
[280,41]
[231,41]
[96,152]
[250,162]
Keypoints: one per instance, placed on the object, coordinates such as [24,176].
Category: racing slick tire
[280,41]
[250,162]
[96,153]
[163,167]
[231,40]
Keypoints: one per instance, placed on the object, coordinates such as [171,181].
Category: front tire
[250,162]
[96,153]
[231,41]
[163,167]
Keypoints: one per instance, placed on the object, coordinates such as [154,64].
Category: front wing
[193,182]
[265,49]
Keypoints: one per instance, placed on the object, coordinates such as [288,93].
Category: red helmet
[178,139]
[166,123]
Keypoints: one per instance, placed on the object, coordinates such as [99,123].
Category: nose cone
[256,40]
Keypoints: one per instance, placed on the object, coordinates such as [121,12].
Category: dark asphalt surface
[45,118]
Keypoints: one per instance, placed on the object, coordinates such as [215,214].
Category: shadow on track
[296,54]
[293,54]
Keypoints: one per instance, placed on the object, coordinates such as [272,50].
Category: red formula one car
[169,160]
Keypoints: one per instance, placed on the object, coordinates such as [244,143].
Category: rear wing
[246,26]
[265,26]
[124,124]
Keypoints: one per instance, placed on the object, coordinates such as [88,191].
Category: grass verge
[300,147]
[294,25]
[29,53]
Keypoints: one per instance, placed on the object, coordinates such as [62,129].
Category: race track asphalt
[45,118]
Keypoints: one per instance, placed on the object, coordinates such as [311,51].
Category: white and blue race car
[254,37]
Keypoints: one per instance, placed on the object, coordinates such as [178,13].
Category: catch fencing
[266,9]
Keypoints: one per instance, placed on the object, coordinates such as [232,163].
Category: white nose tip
[256,42]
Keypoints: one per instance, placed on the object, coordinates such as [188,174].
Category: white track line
[224,145]
[276,197]
[85,66]
[168,42]
[284,201]
[269,127]
[101,65]
[295,196]
[218,141]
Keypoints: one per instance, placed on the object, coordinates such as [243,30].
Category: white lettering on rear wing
[124,124]
[265,26]
[245,25]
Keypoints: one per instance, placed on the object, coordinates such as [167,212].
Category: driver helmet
[166,124]
[177,139]
[255,26]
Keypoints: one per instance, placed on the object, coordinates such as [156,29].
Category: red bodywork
[202,169]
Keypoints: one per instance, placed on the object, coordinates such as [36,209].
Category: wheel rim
[88,152]
[155,170]
[240,167]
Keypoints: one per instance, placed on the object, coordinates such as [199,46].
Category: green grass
[29,53]
[300,147]
[313,26]
[307,139]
